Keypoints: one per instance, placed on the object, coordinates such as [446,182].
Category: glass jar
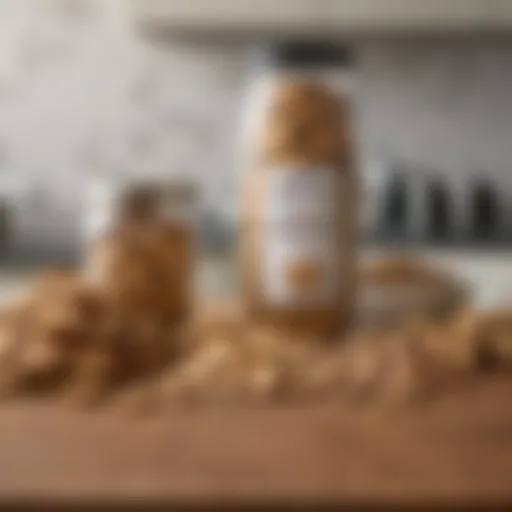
[140,244]
[300,191]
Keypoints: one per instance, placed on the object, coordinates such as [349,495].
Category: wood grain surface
[459,447]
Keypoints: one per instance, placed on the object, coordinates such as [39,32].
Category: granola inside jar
[300,193]
[140,244]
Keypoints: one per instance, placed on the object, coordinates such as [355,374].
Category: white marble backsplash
[81,92]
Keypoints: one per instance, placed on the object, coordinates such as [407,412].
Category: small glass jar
[300,191]
[140,244]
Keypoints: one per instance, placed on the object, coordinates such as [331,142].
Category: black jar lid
[308,54]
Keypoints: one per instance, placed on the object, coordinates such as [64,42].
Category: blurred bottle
[299,212]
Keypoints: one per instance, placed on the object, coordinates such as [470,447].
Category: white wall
[444,105]
[440,107]
[87,95]
[83,95]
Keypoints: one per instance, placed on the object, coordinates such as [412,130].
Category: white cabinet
[257,17]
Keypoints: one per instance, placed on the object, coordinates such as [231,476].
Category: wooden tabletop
[459,447]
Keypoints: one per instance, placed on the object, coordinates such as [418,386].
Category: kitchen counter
[488,272]
[457,448]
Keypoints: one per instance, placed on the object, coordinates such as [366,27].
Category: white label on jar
[302,261]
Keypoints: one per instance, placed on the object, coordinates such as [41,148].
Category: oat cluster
[90,342]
